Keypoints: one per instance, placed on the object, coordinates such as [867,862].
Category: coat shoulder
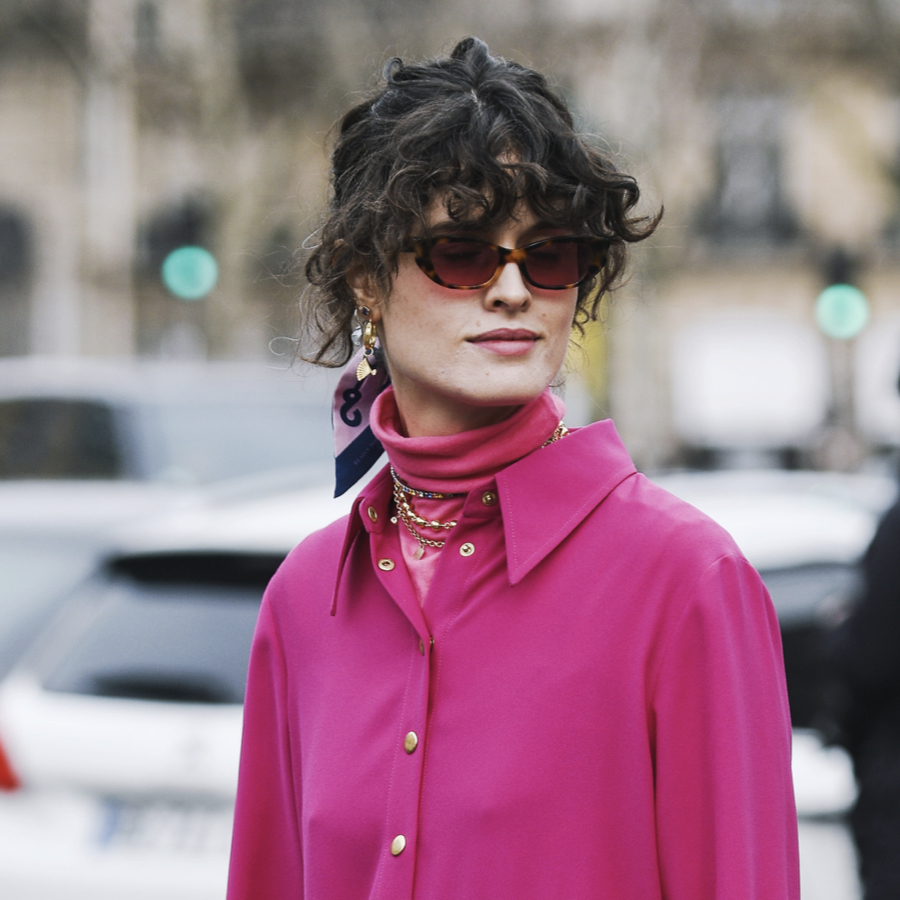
[668,525]
[309,571]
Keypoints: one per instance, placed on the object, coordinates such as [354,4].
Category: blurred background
[162,163]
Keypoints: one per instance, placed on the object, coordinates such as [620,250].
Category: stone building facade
[769,130]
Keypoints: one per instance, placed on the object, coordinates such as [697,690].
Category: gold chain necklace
[412,520]
[561,432]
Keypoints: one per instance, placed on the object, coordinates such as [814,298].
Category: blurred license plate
[180,826]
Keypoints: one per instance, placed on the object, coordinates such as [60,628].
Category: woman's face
[462,359]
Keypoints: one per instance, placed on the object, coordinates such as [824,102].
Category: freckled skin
[447,382]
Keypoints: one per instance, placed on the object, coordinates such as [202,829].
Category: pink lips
[507,341]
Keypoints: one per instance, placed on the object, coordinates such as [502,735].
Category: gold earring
[366,366]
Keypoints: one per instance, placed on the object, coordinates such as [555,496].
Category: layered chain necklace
[403,495]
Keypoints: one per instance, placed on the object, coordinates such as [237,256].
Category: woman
[518,669]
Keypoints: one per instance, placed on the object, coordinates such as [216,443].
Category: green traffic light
[190,272]
[842,311]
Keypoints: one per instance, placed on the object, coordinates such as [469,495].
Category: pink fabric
[422,568]
[445,464]
[598,698]
[458,462]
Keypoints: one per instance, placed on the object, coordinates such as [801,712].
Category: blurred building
[770,129]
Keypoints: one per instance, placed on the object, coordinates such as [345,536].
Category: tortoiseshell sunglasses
[552,264]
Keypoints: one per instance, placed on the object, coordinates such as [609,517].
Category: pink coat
[595,709]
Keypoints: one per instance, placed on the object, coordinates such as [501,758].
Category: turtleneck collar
[457,462]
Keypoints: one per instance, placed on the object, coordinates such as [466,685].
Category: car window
[199,443]
[158,629]
[55,438]
[182,441]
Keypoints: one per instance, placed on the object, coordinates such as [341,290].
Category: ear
[363,287]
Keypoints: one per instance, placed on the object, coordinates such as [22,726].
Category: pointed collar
[543,497]
[570,478]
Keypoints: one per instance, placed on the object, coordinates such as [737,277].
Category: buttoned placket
[397,868]
[397,865]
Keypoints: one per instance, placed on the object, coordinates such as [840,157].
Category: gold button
[386,564]
[398,845]
[467,549]
[372,513]
[422,647]
[410,742]
[489,498]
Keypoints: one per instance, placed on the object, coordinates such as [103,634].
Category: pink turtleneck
[454,464]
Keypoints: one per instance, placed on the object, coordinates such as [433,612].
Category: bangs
[484,161]
[493,194]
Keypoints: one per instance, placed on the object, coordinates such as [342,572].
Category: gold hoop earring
[366,366]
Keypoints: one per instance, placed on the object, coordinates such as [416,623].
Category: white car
[86,444]
[157,420]
[120,728]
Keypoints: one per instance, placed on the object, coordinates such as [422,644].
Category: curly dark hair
[483,133]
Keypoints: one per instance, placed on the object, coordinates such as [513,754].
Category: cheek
[409,332]
[558,321]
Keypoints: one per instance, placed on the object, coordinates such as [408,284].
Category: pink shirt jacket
[595,708]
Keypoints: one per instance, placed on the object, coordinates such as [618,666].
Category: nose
[509,290]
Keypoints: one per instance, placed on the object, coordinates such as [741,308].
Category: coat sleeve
[726,821]
[266,859]
[864,663]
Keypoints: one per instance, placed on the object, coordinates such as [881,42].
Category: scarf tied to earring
[356,449]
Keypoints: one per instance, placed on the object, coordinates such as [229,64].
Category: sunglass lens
[464,263]
[558,263]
